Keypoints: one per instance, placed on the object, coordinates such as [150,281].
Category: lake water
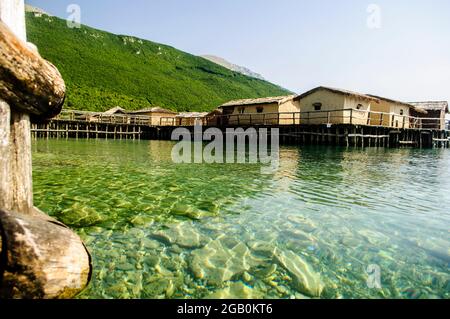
[331,222]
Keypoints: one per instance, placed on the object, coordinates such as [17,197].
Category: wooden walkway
[87,130]
[353,128]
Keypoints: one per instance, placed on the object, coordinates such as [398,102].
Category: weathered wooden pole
[40,257]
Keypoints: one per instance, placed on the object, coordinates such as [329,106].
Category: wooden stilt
[40,258]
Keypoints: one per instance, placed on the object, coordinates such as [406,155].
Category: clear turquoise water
[162,230]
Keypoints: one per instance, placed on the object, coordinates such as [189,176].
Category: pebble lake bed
[312,229]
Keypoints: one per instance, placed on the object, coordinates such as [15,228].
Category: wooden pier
[340,135]
[86,130]
[302,128]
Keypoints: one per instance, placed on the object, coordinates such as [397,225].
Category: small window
[402,112]
[359,106]
[259,109]
[241,110]
[317,106]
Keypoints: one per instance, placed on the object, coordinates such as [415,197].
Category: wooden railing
[345,116]
[96,117]
[168,121]
[182,121]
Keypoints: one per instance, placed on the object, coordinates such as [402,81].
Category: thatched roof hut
[190,118]
[115,110]
[357,108]
[432,105]
[157,115]
[366,97]
[150,110]
[258,101]
[192,114]
[410,105]
[337,91]
[435,112]
[265,110]
[216,112]
[214,117]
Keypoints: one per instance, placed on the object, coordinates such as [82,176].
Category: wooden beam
[15,134]
[20,181]
[5,160]
[28,83]
[40,257]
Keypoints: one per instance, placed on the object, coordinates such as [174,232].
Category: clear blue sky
[297,44]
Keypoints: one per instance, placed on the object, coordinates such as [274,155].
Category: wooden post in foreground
[40,257]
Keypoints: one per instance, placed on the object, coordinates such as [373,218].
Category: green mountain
[103,70]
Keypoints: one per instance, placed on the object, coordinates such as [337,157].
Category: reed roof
[337,91]
[266,100]
[366,97]
[115,110]
[432,105]
[410,105]
[215,112]
[153,110]
[192,114]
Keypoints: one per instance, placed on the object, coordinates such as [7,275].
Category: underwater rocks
[262,248]
[152,261]
[189,212]
[142,220]
[217,262]
[374,237]
[158,287]
[266,271]
[148,244]
[79,216]
[236,290]
[297,237]
[302,222]
[306,280]
[434,247]
[182,235]
[226,259]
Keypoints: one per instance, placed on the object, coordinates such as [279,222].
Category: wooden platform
[326,134]
[82,129]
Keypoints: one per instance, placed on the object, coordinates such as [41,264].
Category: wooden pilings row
[362,136]
[86,130]
[342,135]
